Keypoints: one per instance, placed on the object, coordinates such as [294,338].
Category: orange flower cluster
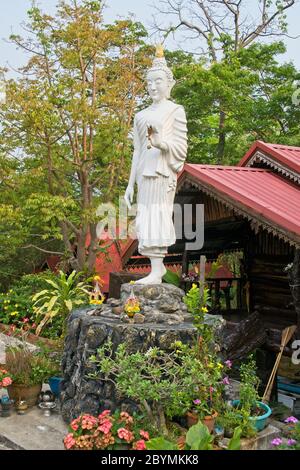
[107,431]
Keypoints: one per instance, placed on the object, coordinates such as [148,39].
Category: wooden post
[202,274]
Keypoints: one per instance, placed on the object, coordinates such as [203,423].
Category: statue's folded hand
[155,136]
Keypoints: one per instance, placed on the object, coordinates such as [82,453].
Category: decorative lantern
[96,296]
[132,304]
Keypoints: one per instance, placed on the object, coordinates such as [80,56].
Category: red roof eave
[253,207]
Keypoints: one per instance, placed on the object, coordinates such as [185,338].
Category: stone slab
[32,431]
[262,441]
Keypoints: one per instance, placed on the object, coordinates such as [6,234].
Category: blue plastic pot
[259,422]
[54,384]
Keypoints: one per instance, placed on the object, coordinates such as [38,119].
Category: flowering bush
[293,441]
[106,431]
[5,378]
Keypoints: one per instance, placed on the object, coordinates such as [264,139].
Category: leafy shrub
[29,368]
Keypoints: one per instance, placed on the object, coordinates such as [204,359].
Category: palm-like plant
[63,295]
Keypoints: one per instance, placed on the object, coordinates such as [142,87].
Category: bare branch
[60,253]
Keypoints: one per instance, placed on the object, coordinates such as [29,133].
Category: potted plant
[28,370]
[249,397]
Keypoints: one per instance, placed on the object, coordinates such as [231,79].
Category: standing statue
[160,147]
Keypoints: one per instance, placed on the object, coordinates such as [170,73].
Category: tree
[70,115]
[222,29]
[256,94]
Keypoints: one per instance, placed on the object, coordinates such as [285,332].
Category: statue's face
[158,85]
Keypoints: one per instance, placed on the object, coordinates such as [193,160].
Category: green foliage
[16,306]
[197,305]
[253,91]
[29,368]
[235,441]
[172,278]
[249,385]
[164,383]
[58,300]
[69,115]
[160,443]
[230,418]
[198,437]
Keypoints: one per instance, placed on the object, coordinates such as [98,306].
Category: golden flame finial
[159,51]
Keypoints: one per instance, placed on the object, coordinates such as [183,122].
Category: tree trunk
[222,138]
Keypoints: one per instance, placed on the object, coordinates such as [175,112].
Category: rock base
[86,333]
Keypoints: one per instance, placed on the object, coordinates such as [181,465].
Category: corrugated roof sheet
[259,193]
[286,155]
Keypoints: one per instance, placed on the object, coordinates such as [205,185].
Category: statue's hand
[154,136]
[129,193]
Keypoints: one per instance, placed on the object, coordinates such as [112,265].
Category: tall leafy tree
[220,30]
[256,93]
[69,115]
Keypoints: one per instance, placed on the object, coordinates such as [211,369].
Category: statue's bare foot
[153,277]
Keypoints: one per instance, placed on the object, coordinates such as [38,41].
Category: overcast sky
[13,13]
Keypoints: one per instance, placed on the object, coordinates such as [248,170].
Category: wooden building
[253,208]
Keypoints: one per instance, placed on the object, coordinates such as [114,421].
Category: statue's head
[160,80]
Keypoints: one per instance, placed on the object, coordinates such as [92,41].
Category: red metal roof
[288,156]
[258,193]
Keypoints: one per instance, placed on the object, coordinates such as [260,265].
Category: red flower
[139,445]
[144,435]
[123,433]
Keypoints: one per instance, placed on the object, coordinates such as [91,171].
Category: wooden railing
[223,297]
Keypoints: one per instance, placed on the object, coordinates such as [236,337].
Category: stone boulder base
[86,333]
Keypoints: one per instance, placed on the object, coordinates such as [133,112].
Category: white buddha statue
[160,147]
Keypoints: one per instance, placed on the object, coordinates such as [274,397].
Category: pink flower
[104,414]
[88,422]
[291,419]
[144,435]
[74,426]
[197,401]
[139,445]
[225,381]
[25,320]
[6,382]
[291,442]
[69,441]
[228,364]
[123,433]
[276,442]
[105,426]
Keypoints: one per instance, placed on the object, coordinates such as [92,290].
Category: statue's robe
[156,175]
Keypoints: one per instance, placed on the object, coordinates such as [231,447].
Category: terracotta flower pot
[192,418]
[209,421]
[29,394]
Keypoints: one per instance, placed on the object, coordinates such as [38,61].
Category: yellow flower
[194,286]
[204,309]
[13,314]
[220,366]
[17,305]
[132,282]
[98,279]
[5,308]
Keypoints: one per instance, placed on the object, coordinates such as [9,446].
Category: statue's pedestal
[165,321]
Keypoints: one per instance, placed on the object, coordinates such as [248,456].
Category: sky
[13,13]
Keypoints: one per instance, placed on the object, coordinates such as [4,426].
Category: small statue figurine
[160,148]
